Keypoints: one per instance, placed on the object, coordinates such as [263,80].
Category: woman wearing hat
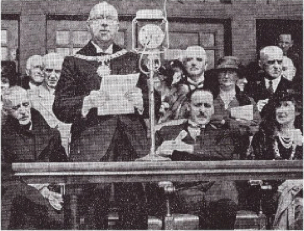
[230,111]
[280,138]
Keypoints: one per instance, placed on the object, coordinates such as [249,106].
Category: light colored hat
[228,62]
[103,8]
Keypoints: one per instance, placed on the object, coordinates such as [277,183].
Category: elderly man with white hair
[98,136]
[42,97]
[194,61]
[34,73]
[272,84]
[26,137]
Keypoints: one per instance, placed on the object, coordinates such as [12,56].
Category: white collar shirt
[275,83]
[109,50]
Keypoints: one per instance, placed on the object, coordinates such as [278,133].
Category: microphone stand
[153,56]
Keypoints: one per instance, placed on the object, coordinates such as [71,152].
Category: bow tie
[193,86]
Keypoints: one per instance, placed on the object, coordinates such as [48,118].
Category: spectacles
[99,21]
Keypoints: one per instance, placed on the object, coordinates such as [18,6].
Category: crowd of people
[229,112]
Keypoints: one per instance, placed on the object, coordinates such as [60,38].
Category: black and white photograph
[152,115]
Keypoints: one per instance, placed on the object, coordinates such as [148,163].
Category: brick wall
[242,13]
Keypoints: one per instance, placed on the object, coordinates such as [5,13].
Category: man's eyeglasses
[99,21]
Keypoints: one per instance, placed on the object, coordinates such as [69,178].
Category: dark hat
[228,62]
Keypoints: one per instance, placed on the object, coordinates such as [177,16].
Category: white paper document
[116,87]
[242,112]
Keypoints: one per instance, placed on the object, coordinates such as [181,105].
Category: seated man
[272,83]
[195,63]
[214,202]
[42,97]
[26,137]
[34,73]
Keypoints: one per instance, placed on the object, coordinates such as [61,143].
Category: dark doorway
[268,31]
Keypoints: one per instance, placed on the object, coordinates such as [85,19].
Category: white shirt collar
[33,86]
[194,129]
[109,50]
[275,82]
[199,81]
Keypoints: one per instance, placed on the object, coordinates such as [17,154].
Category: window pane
[81,37]
[210,59]
[207,39]
[62,37]
[181,40]
[4,53]
[63,51]
[3,36]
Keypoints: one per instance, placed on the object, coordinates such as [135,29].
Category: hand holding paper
[95,99]
[135,96]
[122,94]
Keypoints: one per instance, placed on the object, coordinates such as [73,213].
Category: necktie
[270,88]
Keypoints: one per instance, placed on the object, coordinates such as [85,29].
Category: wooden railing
[105,172]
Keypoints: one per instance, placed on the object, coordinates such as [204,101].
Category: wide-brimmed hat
[228,62]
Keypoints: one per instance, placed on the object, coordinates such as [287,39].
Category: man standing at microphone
[98,137]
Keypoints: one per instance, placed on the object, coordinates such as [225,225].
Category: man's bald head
[103,24]
[103,9]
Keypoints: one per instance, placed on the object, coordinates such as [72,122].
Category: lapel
[188,138]
[284,84]
[88,50]
[44,99]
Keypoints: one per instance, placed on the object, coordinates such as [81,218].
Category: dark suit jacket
[23,207]
[213,144]
[257,89]
[92,136]
[41,144]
